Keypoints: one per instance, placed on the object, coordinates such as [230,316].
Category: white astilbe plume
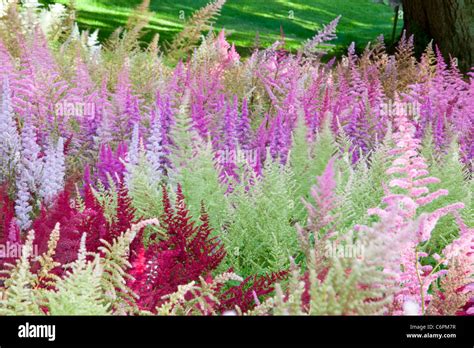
[52,180]
[133,155]
[9,138]
[23,207]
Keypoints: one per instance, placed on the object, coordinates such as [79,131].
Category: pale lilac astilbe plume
[23,207]
[163,113]
[53,176]
[154,150]
[126,105]
[85,98]
[40,87]
[328,33]
[29,176]
[407,192]
[133,155]
[104,116]
[9,138]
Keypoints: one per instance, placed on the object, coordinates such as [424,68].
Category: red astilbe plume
[250,292]
[62,212]
[75,221]
[125,214]
[187,253]
[7,212]
[9,232]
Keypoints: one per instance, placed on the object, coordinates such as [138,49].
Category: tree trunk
[450,23]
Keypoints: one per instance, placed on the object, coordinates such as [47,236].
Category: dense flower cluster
[194,181]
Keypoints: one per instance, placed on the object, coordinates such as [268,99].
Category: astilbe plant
[184,254]
[407,191]
[279,147]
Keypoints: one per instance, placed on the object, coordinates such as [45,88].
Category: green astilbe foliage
[362,187]
[94,284]
[184,137]
[308,159]
[201,183]
[124,43]
[341,273]
[107,198]
[18,296]
[114,263]
[261,237]
[341,284]
[454,178]
[144,191]
[79,292]
[196,298]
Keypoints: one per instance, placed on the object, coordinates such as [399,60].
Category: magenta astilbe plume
[230,120]
[111,163]
[164,112]
[260,144]
[198,114]
[243,127]
[227,155]
[280,139]
[311,103]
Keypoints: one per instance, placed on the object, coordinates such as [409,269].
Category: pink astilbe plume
[227,53]
[456,295]
[325,200]
[406,192]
